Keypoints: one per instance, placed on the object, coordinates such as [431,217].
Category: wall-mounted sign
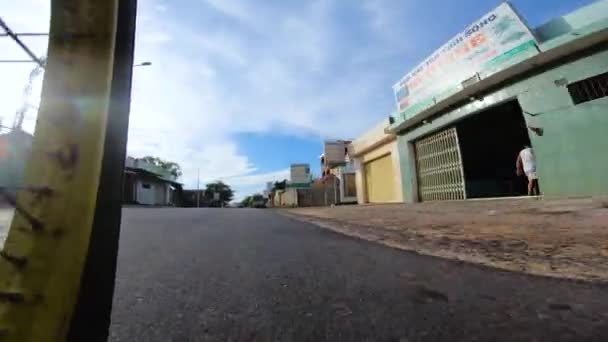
[493,40]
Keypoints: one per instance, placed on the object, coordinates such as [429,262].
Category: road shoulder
[561,239]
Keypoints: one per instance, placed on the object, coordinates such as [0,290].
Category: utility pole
[198,190]
[91,318]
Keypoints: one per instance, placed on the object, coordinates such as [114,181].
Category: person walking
[526,165]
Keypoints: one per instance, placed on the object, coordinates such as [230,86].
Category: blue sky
[239,89]
[260,148]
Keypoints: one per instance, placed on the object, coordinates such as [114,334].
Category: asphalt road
[254,275]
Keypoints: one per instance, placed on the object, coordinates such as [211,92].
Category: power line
[17,40]
[25,34]
[27,92]
[16,61]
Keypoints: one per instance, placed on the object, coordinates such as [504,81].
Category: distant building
[299,175]
[286,195]
[366,170]
[336,161]
[148,184]
[334,153]
[466,112]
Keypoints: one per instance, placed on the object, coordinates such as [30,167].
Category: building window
[589,89]
[145,186]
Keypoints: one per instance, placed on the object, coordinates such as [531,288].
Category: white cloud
[156,38]
[383,16]
[208,83]
[217,45]
[160,8]
[239,10]
[251,184]
[257,179]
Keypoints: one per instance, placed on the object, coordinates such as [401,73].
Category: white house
[148,184]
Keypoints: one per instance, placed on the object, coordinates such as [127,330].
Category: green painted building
[462,140]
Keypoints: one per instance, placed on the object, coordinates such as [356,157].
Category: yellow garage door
[380,180]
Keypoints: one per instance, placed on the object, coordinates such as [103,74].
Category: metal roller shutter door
[439,167]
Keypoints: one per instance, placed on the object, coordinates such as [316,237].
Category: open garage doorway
[490,142]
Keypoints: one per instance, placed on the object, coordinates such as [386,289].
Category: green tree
[225,194]
[256,200]
[257,197]
[171,167]
[280,185]
[247,202]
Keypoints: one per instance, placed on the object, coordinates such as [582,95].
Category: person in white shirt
[526,164]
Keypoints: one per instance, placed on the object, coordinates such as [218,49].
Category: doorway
[490,143]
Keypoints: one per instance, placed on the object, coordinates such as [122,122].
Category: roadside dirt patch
[557,238]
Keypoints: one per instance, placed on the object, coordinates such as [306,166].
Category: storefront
[377,166]
[463,142]
[380,182]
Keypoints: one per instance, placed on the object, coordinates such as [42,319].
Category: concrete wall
[571,152]
[320,194]
[573,21]
[290,197]
[157,194]
[368,140]
[286,198]
[145,195]
[161,194]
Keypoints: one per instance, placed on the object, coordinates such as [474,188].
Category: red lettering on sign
[490,54]
[477,40]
